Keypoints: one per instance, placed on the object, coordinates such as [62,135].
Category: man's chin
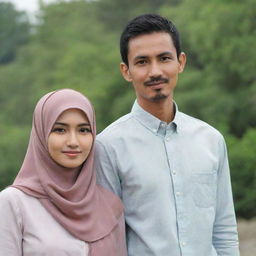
[159,97]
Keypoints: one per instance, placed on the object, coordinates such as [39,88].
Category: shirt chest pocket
[204,189]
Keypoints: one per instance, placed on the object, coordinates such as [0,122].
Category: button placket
[167,138]
[177,182]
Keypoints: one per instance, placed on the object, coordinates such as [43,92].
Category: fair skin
[153,70]
[70,139]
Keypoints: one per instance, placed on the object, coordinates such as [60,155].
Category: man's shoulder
[117,128]
[192,124]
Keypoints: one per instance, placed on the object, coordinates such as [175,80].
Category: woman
[54,206]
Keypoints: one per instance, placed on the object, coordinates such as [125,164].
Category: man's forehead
[154,43]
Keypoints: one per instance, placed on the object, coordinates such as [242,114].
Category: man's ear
[182,61]
[125,72]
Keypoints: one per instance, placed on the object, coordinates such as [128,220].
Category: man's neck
[163,109]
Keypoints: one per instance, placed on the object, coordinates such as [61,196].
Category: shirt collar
[153,123]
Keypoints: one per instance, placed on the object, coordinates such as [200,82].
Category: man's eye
[141,62]
[165,58]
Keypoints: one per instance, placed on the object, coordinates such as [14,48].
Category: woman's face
[70,139]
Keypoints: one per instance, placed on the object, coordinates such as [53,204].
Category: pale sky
[30,6]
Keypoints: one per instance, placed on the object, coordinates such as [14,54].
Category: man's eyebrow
[165,53]
[140,57]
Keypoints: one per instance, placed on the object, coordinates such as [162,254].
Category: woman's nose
[72,140]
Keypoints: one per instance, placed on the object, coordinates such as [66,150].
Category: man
[170,170]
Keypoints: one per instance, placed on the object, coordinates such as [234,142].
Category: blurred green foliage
[76,45]
[14,31]
[242,163]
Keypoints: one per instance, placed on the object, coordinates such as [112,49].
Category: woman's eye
[58,130]
[85,130]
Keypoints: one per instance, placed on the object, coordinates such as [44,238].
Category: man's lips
[157,83]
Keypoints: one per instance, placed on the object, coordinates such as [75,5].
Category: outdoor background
[75,44]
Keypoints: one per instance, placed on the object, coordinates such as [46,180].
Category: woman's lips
[71,153]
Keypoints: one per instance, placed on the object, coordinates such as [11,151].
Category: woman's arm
[10,225]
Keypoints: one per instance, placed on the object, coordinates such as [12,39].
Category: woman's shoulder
[9,202]
[15,201]
[12,195]
[10,192]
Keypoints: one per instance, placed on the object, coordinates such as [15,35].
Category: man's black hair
[147,24]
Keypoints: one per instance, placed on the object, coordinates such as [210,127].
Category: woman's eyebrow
[59,123]
[64,124]
[84,124]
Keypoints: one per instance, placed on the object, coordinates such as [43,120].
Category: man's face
[153,67]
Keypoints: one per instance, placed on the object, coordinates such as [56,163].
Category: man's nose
[155,70]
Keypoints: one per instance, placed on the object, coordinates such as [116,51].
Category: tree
[219,83]
[75,44]
[242,164]
[14,31]
[125,10]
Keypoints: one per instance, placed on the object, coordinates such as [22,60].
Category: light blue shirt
[174,181]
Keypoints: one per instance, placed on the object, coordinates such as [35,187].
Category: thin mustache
[156,80]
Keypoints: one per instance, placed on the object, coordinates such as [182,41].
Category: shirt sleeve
[10,226]
[225,236]
[107,172]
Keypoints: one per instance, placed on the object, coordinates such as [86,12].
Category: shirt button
[178,193]
[168,139]
[183,243]
[174,172]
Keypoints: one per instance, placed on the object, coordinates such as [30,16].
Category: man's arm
[107,171]
[225,237]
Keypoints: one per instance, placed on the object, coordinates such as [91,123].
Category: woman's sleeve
[10,225]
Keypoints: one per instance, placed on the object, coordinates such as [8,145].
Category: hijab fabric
[85,209]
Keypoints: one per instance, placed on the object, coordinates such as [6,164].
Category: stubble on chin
[158,97]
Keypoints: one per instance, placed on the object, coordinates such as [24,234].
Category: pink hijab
[85,209]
